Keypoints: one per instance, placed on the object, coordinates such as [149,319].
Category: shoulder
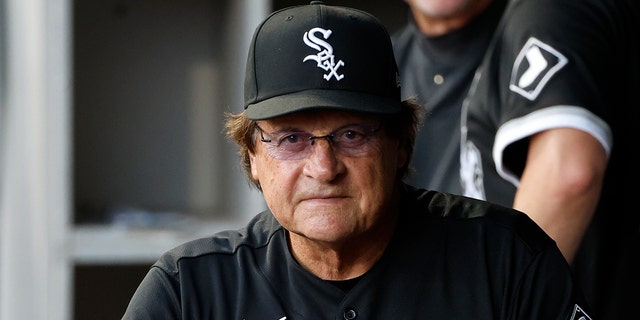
[403,38]
[256,235]
[549,16]
[452,206]
[478,217]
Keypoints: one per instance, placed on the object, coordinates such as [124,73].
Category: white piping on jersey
[544,119]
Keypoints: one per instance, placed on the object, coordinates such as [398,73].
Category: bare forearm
[560,186]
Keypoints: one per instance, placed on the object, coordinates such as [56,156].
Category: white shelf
[104,244]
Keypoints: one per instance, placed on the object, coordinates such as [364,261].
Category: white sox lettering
[325,58]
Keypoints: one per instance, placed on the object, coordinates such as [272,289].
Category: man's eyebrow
[277,127]
[290,128]
[282,129]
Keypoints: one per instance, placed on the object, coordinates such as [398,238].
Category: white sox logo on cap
[325,58]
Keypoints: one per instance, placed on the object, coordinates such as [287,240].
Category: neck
[346,259]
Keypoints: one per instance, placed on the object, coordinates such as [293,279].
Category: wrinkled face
[322,190]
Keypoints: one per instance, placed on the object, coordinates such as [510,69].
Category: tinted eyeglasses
[351,140]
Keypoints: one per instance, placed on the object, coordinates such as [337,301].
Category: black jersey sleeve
[546,287]
[156,298]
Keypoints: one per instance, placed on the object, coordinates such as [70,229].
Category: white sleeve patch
[579,314]
[536,63]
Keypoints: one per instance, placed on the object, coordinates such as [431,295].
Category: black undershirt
[345,285]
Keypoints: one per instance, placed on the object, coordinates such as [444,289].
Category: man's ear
[254,166]
[403,155]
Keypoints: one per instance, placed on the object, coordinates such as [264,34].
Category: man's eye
[291,138]
[351,134]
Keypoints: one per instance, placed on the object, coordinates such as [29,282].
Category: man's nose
[322,162]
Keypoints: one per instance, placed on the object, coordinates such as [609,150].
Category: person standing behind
[550,129]
[438,51]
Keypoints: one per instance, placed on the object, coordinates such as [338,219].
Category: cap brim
[321,99]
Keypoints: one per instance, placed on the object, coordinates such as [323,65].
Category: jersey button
[350,314]
[438,79]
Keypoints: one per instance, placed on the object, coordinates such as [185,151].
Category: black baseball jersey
[437,71]
[451,258]
[564,63]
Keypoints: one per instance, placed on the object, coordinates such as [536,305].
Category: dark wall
[393,13]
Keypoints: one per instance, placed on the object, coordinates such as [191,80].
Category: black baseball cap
[320,56]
